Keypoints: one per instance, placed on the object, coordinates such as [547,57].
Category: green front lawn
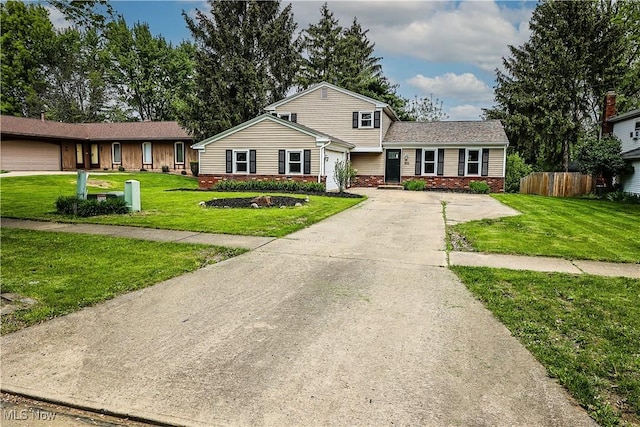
[65,272]
[33,197]
[562,227]
[584,329]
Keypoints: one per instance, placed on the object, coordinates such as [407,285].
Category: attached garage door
[329,167]
[29,156]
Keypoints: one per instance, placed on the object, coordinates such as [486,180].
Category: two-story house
[302,136]
[626,127]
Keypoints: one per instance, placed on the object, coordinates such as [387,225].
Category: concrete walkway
[352,321]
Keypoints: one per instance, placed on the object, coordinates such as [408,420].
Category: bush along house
[44,145]
[301,138]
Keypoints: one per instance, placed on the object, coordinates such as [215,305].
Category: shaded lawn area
[33,197]
[562,227]
[65,272]
[584,329]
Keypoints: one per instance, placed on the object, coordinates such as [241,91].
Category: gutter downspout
[322,168]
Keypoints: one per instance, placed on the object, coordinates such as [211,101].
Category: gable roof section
[628,115]
[127,131]
[319,136]
[312,88]
[447,133]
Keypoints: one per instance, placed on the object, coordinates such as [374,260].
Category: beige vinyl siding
[266,138]
[451,162]
[496,160]
[333,116]
[408,168]
[368,163]
[386,123]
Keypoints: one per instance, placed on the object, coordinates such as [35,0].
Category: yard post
[81,185]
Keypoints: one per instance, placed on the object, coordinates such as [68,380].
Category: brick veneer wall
[458,183]
[368,181]
[208,181]
[455,183]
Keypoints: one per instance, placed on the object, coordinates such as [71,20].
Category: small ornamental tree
[343,173]
[601,158]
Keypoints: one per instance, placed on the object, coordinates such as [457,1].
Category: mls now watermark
[33,414]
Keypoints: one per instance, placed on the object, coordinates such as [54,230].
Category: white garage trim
[30,156]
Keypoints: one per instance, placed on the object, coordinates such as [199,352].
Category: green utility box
[132,195]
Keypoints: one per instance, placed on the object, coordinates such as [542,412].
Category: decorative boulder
[254,205]
[262,200]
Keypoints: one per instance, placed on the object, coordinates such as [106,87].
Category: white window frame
[285,116]
[478,162]
[288,162]
[175,152]
[360,119]
[235,161]
[113,153]
[144,152]
[435,161]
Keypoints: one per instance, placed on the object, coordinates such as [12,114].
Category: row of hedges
[282,186]
[70,205]
[478,187]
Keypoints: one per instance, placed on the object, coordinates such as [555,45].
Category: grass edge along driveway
[584,329]
[33,197]
[66,272]
[571,228]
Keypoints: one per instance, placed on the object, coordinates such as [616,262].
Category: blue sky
[446,48]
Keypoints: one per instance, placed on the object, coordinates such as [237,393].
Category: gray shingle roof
[447,132]
[628,115]
[129,131]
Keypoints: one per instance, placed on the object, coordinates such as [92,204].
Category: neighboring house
[34,144]
[627,128]
[302,136]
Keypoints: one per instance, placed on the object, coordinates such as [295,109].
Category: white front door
[329,166]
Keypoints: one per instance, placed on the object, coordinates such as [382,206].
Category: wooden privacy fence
[557,184]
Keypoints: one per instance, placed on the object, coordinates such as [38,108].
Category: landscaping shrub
[414,185]
[623,197]
[165,168]
[516,169]
[121,168]
[283,186]
[195,168]
[479,187]
[70,205]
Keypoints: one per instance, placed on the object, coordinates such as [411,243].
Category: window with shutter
[461,157]
[440,161]
[473,162]
[429,162]
[485,162]
[281,162]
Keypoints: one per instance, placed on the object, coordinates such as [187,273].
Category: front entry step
[390,187]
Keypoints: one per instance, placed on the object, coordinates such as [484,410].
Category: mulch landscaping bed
[245,202]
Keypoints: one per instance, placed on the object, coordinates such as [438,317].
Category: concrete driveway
[353,321]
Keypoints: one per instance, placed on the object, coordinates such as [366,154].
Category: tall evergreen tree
[551,91]
[246,57]
[345,57]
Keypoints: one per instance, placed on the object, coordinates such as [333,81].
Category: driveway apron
[353,321]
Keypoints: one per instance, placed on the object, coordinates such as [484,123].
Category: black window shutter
[485,162]
[274,114]
[307,162]
[294,117]
[418,161]
[229,154]
[281,162]
[461,154]
[376,119]
[440,161]
[355,120]
[252,161]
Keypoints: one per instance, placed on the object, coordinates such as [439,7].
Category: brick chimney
[609,111]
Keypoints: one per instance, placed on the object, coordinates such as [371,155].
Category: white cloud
[464,112]
[473,32]
[465,87]
[57,18]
